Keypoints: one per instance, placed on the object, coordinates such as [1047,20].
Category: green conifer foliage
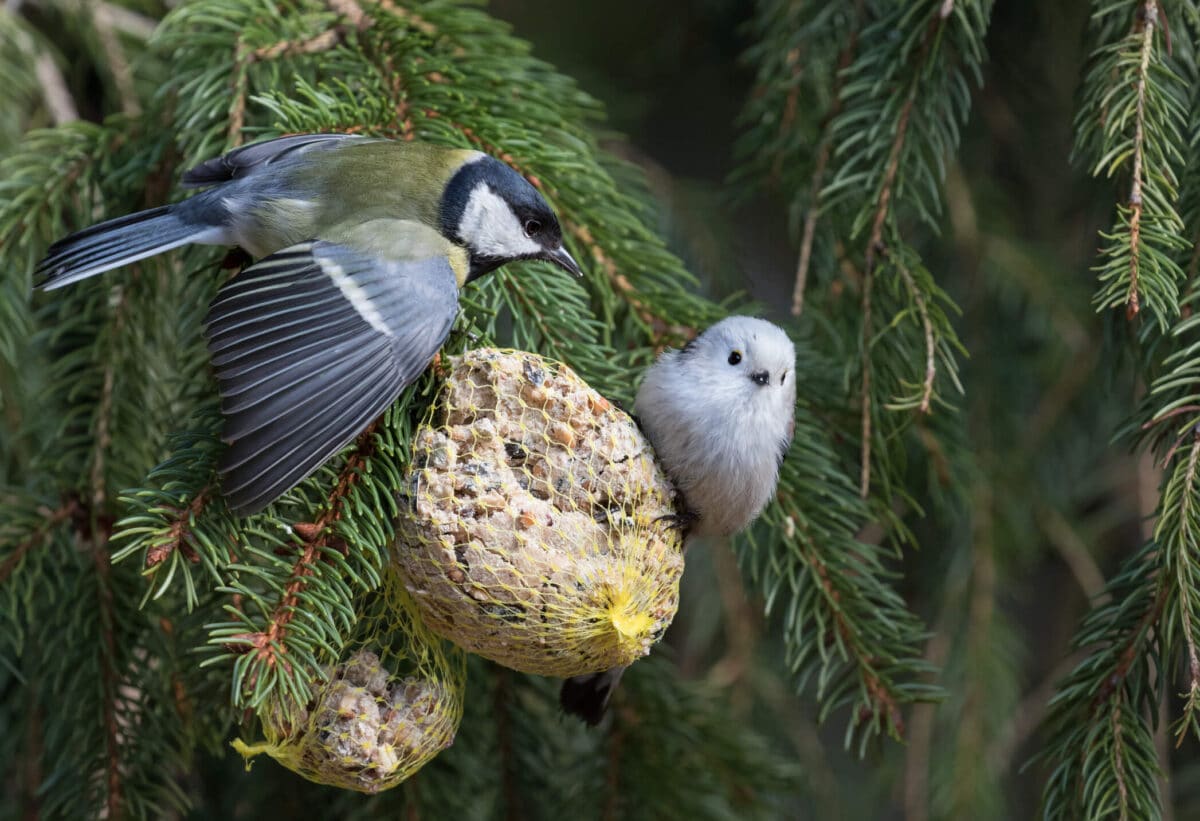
[986,540]
[202,617]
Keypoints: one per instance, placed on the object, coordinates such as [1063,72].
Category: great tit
[363,245]
[719,414]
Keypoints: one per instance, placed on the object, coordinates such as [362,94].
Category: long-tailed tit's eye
[735,357]
[782,377]
[532,227]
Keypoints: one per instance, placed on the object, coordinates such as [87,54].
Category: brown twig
[30,764]
[810,230]
[108,671]
[349,10]
[55,92]
[1162,417]
[864,476]
[118,63]
[793,62]
[818,177]
[183,703]
[411,17]
[1129,653]
[102,438]
[1147,19]
[1073,551]
[1192,431]
[970,733]
[920,738]
[883,703]
[67,510]
[316,536]
[662,332]
[1119,758]
[741,628]
[874,245]
[1184,585]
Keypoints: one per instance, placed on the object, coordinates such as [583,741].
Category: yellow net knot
[632,624]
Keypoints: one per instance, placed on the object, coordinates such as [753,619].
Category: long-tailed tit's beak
[563,259]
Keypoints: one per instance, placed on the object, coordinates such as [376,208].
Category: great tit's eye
[735,357]
[532,227]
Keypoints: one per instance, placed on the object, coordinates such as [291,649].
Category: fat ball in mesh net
[536,528]
[391,703]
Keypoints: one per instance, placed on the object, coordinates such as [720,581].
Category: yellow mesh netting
[392,703]
[536,529]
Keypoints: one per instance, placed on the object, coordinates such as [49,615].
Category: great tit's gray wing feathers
[312,343]
[241,161]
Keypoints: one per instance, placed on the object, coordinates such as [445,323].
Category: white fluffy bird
[719,413]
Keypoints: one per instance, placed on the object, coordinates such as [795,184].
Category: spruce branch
[1099,743]
[863,652]
[1132,118]
[911,80]
[450,75]
[1148,16]
[1178,531]
[268,647]
[179,533]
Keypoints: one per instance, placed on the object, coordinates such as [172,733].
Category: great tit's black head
[499,217]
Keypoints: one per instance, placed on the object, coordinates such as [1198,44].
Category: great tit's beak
[563,259]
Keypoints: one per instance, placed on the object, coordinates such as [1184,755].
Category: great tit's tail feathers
[118,242]
[309,346]
[587,696]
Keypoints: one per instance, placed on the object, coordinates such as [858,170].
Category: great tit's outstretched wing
[313,342]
